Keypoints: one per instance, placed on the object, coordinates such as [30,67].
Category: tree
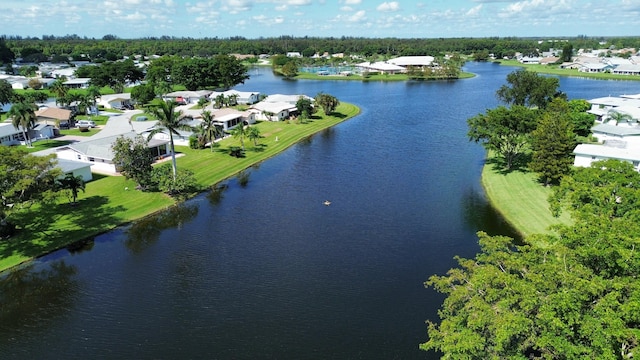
[253,133]
[290,69]
[73,184]
[504,130]
[522,302]
[327,102]
[305,107]
[59,89]
[239,132]
[143,93]
[133,159]
[618,116]
[25,179]
[169,122]
[527,88]
[6,92]
[210,130]
[567,53]
[553,142]
[23,117]
[183,183]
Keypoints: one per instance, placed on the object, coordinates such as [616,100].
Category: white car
[85,124]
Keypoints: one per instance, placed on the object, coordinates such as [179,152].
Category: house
[76,168]
[78,83]
[415,61]
[529,60]
[290,99]
[115,101]
[98,151]
[586,154]
[242,97]
[187,97]
[273,111]
[618,136]
[230,118]
[381,67]
[549,60]
[9,135]
[294,54]
[595,67]
[627,69]
[56,116]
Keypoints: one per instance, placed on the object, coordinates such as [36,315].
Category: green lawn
[377,77]
[556,70]
[521,199]
[46,144]
[110,201]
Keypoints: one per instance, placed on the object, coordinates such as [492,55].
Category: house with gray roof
[99,152]
[586,154]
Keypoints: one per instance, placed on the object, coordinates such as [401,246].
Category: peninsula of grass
[111,201]
[553,69]
[520,198]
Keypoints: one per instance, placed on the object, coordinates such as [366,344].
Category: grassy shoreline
[111,201]
[520,199]
[377,77]
[555,70]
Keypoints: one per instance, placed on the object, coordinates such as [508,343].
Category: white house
[627,69]
[114,101]
[187,97]
[273,111]
[229,118]
[586,154]
[242,97]
[417,61]
[289,99]
[618,136]
[77,83]
[381,67]
[76,168]
[98,151]
[10,136]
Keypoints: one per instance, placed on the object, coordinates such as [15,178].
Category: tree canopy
[504,130]
[527,88]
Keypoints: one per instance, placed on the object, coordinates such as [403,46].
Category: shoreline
[108,202]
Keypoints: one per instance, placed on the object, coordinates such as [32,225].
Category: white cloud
[346,9]
[388,6]
[474,11]
[358,16]
[351,2]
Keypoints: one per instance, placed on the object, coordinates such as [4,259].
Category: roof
[54,113]
[189,94]
[77,81]
[101,147]
[240,94]
[7,129]
[112,97]
[68,166]
[609,152]
[274,107]
[280,98]
[412,61]
[381,66]
[616,130]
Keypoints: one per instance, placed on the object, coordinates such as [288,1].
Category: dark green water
[266,271]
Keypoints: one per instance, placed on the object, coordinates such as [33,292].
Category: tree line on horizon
[110,47]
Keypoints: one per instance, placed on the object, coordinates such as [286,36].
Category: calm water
[266,271]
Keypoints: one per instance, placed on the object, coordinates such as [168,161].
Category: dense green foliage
[133,158]
[327,102]
[504,130]
[6,92]
[527,88]
[576,298]
[24,179]
[80,48]
[553,142]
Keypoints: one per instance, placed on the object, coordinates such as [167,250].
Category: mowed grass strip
[521,200]
[110,201]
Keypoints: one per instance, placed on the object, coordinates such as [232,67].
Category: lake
[261,268]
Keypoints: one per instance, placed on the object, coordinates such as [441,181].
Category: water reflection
[144,233]
[31,298]
[480,215]
[216,194]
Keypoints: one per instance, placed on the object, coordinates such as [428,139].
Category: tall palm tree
[23,117]
[170,121]
[93,93]
[253,133]
[210,129]
[60,90]
[618,116]
[239,132]
[73,183]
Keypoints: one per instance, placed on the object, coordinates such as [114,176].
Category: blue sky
[370,18]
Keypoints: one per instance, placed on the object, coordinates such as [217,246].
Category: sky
[129,19]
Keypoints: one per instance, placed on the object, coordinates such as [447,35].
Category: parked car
[85,124]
